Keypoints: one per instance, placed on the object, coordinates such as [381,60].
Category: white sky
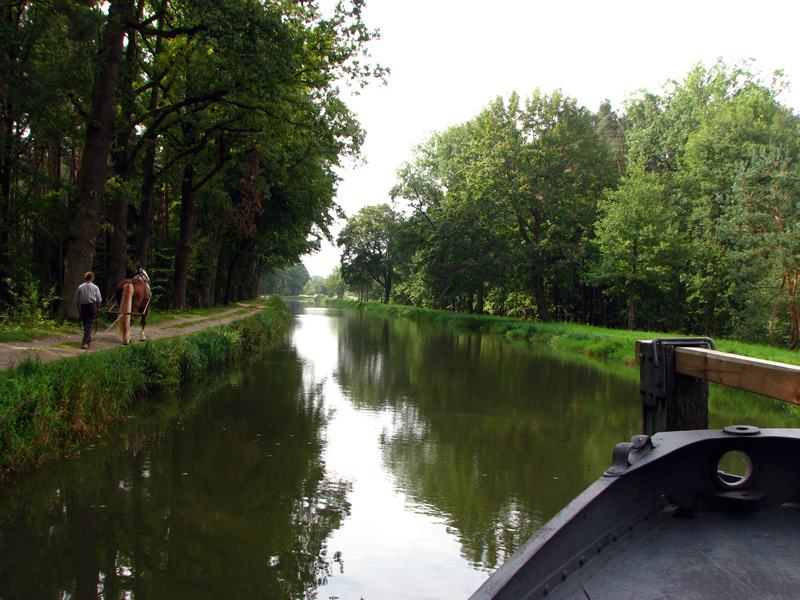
[450,58]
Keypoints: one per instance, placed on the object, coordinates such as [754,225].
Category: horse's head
[141,274]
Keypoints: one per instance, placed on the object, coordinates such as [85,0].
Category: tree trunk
[538,279]
[118,248]
[541,298]
[5,237]
[255,275]
[479,303]
[388,287]
[631,311]
[772,336]
[184,247]
[123,158]
[207,294]
[144,230]
[85,221]
[237,269]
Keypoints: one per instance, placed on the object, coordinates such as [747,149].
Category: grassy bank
[614,344]
[53,410]
[27,333]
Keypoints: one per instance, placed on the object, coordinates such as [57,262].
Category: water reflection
[494,438]
[364,458]
[224,499]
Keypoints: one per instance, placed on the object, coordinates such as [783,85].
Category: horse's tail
[125,304]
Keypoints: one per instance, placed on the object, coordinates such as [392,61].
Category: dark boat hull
[665,523]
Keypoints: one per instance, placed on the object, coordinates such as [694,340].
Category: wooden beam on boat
[675,374]
[764,377]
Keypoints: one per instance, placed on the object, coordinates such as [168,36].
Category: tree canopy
[194,138]
[676,213]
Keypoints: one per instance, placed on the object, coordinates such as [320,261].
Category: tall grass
[52,410]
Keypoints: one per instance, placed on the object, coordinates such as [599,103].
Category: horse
[133,297]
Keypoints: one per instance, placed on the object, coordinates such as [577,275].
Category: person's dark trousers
[88,315]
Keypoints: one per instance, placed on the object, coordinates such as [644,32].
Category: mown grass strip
[18,333]
[192,323]
[51,410]
[157,317]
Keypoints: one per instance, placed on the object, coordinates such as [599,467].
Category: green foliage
[541,209]
[29,308]
[229,125]
[54,409]
[314,286]
[640,241]
[505,204]
[761,228]
[287,282]
[371,252]
[334,286]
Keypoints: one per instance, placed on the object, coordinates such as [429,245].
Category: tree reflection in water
[492,437]
[456,447]
[221,497]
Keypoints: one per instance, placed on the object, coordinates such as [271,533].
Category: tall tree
[694,135]
[92,175]
[454,234]
[45,54]
[369,251]
[762,226]
[544,167]
[640,240]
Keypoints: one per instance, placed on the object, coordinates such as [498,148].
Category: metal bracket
[627,454]
[653,370]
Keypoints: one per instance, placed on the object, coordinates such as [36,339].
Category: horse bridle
[141,274]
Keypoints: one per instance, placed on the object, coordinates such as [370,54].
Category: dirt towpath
[66,346]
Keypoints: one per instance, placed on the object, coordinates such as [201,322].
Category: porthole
[734,469]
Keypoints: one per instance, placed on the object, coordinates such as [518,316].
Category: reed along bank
[53,410]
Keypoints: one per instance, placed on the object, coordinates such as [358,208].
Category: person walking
[88,299]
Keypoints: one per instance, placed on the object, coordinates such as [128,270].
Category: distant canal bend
[365,457]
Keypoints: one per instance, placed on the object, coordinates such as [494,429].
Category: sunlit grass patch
[20,334]
[194,322]
[187,324]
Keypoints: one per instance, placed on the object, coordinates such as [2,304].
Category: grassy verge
[614,344]
[158,317]
[194,322]
[17,333]
[53,410]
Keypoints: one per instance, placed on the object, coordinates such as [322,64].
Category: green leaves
[762,227]
[370,250]
[203,88]
[640,239]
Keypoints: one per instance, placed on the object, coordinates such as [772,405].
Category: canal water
[364,457]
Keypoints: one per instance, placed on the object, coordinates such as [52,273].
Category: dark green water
[365,457]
